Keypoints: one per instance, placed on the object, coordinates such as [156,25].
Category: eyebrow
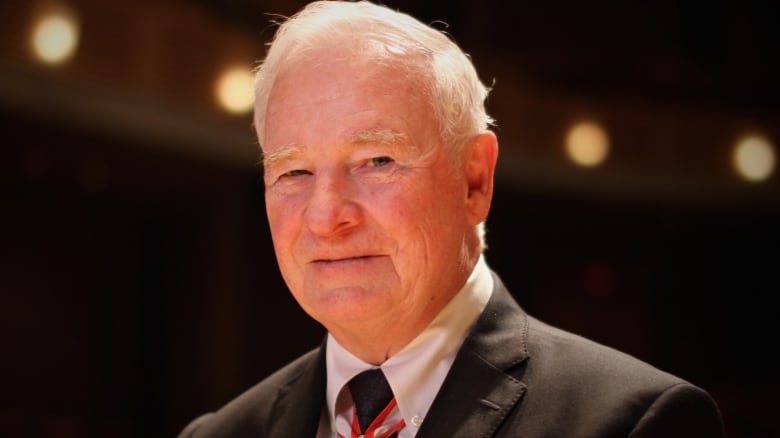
[378,136]
[370,136]
[281,154]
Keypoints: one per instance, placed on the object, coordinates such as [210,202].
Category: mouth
[346,260]
[347,270]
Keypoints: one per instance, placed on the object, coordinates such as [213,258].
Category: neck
[376,344]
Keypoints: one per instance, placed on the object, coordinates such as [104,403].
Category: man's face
[366,209]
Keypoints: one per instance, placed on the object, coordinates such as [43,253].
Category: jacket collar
[479,390]
[300,402]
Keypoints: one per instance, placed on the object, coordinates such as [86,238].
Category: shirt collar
[417,371]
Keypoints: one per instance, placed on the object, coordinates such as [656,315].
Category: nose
[331,208]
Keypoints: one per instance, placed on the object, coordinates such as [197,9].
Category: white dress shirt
[416,372]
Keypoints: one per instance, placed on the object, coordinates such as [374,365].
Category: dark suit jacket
[514,376]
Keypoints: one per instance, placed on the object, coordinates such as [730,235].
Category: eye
[380,161]
[296,172]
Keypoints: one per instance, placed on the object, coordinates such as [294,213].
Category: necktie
[371,394]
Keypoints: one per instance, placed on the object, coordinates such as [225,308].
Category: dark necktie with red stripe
[371,394]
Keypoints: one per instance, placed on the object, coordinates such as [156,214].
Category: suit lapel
[299,406]
[479,392]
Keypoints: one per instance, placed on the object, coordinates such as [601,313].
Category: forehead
[381,67]
[333,92]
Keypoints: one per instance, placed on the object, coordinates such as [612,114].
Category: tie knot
[371,394]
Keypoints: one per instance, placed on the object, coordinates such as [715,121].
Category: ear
[481,156]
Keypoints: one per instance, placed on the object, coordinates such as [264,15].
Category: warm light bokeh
[754,158]
[235,90]
[55,37]
[587,144]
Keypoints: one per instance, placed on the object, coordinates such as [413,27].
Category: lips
[343,259]
[342,265]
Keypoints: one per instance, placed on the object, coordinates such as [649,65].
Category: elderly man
[378,171]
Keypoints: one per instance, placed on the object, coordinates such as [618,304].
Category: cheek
[281,218]
[410,215]
[438,216]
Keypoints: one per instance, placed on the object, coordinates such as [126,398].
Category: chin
[347,304]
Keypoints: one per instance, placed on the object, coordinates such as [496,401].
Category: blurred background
[637,199]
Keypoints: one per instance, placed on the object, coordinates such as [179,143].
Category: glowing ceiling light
[235,90]
[587,144]
[55,37]
[754,158]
